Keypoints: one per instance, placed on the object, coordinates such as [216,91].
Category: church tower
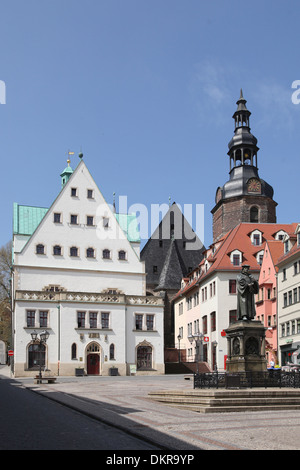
[245,197]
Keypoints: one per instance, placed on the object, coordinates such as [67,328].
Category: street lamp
[179,338]
[44,335]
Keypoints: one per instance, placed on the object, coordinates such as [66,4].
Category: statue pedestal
[246,347]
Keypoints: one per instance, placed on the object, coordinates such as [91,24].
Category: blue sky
[146,89]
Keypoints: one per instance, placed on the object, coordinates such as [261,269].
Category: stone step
[234,409]
[229,400]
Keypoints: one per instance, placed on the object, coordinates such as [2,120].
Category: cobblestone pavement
[123,402]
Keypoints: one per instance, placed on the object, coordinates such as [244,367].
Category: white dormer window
[286,246]
[236,258]
[259,257]
[206,266]
[280,235]
[256,237]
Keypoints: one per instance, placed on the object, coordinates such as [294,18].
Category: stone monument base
[246,347]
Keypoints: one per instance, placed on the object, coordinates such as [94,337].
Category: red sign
[206,339]
[10,352]
[223,333]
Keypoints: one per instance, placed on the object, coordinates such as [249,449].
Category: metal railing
[269,378]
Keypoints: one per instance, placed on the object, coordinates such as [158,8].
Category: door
[144,357]
[93,364]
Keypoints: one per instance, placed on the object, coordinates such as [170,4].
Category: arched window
[40,249]
[254,214]
[90,253]
[57,250]
[36,356]
[106,254]
[122,254]
[73,251]
[112,351]
[74,351]
[93,347]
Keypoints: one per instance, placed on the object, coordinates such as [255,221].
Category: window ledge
[145,331]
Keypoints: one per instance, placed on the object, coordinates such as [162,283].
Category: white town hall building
[77,274]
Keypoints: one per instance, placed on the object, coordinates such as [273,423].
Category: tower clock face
[254,186]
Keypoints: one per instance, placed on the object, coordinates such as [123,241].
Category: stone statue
[247,286]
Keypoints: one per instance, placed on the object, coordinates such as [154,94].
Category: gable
[82,223]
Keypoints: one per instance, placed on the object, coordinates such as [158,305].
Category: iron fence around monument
[267,379]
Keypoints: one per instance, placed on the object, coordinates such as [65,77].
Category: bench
[39,380]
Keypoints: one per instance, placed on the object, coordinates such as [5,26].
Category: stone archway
[144,356]
[93,361]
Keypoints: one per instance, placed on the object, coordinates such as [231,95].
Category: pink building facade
[266,299]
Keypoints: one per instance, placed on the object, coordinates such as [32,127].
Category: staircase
[221,401]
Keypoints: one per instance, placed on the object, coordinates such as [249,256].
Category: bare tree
[5,292]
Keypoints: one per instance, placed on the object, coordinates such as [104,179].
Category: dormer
[259,257]
[256,237]
[206,266]
[236,257]
[297,233]
[287,243]
[280,235]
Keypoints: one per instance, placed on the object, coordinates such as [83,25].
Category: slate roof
[173,269]
[173,254]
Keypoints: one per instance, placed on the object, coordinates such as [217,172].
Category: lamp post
[42,340]
[179,338]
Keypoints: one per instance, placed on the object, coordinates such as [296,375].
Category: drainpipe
[58,337]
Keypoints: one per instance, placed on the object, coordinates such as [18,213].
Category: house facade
[77,273]
[266,299]
[289,299]
[206,304]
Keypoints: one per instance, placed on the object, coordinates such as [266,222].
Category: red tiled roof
[239,239]
[295,249]
[275,250]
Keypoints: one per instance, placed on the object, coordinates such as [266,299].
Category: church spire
[243,146]
[245,197]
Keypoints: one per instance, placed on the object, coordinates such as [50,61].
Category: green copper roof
[129,225]
[27,218]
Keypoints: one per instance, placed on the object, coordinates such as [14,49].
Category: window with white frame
[236,257]
[256,237]
[104,320]
[280,235]
[144,321]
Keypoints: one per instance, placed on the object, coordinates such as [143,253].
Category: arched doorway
[144,356]
[36,356]
[93,359]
